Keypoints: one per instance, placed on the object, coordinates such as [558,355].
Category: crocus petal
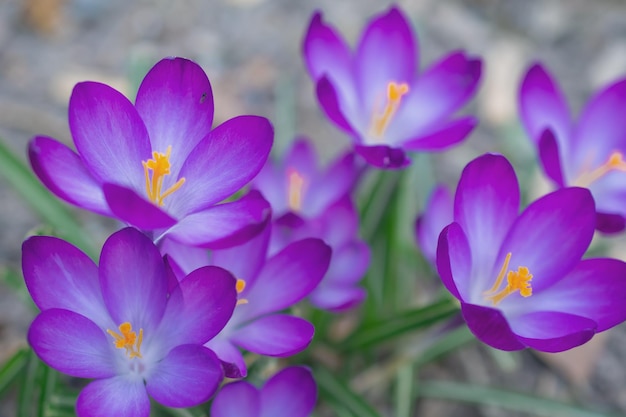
[542,106]
[185,258]
[135,210]
[335,183]
[348,264]
[118,396]
[329,101]
[454,261]
[443,137]
[175,102]
[302,158]
[549,156]
[189,375]
[133,279]
[59,275]
[63,172]
[490,327]
[437,215]
[382,156]
[275,335]
[290,393]
[339,223]
[337,298]
[72,344]
[224,225]
[239,399]
[223,162]
[550,331]
[109,134]
[610,223]
[232,360]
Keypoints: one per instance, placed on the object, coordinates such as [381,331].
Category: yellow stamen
[380,120]
[128,340]
[516,281]
[240,286]
[160,167]
[295,189]
[615,162]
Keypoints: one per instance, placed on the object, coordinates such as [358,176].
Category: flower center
[240,286]
[615,162]
[295,189]
[515,281]
[381,119]
[128,339]
[160,167]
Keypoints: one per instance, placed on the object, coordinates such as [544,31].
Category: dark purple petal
[490,327]
[119,397]
[610,223]
[135,210]
[550,331]
[185,258]
[549,156]
[239,399]
[59,275]
[133,280]
[290,393]
[223,162]
[382,156]
[188,376]
[109,134]
[454,261]
[443,137]
[72,344]
[224,225]
[232,360]
[330,102]
[275,335]
[175,102]
[63,172]
[438,214]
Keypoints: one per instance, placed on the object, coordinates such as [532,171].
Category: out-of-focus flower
[310,202]
[519,277]
[585,153]
[376,96]
[292,392]
[437,214]
[265,287]
[117,323]
[158,165]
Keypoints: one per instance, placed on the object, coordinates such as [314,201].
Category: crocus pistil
[615,162]
[516,281]
[160,167]
[128,339]
[295,189]
[381,119]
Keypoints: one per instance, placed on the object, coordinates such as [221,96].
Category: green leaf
[335,391]
[508,400]
[12,370]
[29,402]
[446,344]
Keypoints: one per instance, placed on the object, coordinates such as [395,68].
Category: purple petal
[188,376]
[72,344]
[133,279]
[490,327]
[550,331]
[382,156]
[610,223]
[445,136]
[239,399]
[232,360]
[339,223]
[302,158]
[63,172]
[135,210]
[348,264]
[119,397]
[337,298]
[454,261]
[330,102]
[224,225]
[438,214]
[185,258]
[290,393]
[550,159]
[109,134]
[59,275]
[338,181]
[270,182]
[275,335]
[223,162]
[175,102]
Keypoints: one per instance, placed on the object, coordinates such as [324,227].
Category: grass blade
[12,369]
[335,391]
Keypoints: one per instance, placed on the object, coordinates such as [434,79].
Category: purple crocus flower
[312,202]
[158,165]
[437,214]
[588,152]
[519,277]
[292,392]
[375,96]
[265,287]
[118,324]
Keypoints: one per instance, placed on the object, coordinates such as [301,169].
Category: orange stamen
[615,162]
[295,189]
[380,120]
[160,167]
[128,340]
[240,286]
[516,281]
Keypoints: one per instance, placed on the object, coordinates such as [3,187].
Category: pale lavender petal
[240,399]
[175,102]
[339,223]
[382,156]
[186,258]
[437,214]
[550,158]
[337,298]
[63,172]
[491,327]
[188,376]
[275,335]
[302,158]
[232,360]
[454,261]
[443,137]
[118,396]
[130,207]
[271,183]
[72,344]
[338,181]
[550,331]
[290,393]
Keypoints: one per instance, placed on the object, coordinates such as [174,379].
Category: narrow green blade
[335,391]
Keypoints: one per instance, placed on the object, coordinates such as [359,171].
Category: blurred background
[250,50]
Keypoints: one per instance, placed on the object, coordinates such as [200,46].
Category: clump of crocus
[437,214]
[309,201]
[158,165]
[586,153]
[118,323]
[376,96]
[265,286]
[519,277]
[291,392]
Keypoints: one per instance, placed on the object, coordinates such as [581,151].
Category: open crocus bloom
[375,96]
[585,153]
[519,277]
[158,165]
[292,392]
[437,214]
[118,323]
